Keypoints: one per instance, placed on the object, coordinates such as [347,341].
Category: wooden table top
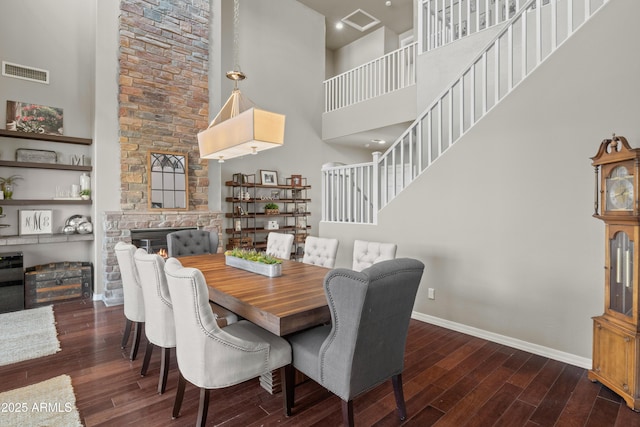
[281,305]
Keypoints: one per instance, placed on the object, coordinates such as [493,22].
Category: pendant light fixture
[240,127]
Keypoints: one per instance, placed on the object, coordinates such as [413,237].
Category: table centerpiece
[254,261]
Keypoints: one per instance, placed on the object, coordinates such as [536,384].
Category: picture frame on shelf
[35,221]
[268,177]
[296,180]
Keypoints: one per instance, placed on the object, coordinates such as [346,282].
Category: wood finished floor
[450,379]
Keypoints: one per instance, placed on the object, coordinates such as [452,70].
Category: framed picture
[34,118]
[269,177]
[296,180]
[35,221]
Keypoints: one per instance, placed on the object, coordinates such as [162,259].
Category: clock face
[620,195]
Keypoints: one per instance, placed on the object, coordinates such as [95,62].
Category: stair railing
[445,21]
[532,34]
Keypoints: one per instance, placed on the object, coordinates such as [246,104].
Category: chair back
[365,253]
[208,356]
[320,251]
[370,313]
[279,245]
[159,325]
[133,297]
[191,242]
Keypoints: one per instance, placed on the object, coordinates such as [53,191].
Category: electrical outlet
[431,293]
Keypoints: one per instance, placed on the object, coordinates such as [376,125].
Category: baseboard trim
[551,353]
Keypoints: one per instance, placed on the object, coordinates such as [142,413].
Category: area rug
[47,403]
[27,334]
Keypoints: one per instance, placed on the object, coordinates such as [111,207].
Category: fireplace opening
[154,240]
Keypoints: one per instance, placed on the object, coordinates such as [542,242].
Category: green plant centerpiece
[271,209]
[254,261]
[7,184]
[85,194]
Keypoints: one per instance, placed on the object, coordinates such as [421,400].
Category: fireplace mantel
[117,226]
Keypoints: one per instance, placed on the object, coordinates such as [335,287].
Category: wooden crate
[60,281]
[245,242]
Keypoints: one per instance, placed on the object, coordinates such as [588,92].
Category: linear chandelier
[240,127]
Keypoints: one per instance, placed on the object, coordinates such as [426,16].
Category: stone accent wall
[163,104]
[164,91]
[118,225]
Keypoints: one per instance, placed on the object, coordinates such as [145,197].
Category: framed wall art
[32,221]
[34,118]
[268,177]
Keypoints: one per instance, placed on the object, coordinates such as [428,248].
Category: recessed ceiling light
[379,141]
[387,3]
[339,26]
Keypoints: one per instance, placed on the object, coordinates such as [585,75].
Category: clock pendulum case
[616,333]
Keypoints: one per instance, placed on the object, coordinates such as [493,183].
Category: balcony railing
[391,72]
[529,38]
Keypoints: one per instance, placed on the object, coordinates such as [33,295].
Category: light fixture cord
[236,35]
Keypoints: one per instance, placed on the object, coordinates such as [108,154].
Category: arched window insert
[168,188]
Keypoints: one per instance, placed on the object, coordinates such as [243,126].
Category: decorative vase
[12,125]
[7,190]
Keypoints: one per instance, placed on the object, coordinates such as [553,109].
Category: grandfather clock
[616,333]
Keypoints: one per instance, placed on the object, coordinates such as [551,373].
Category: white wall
[59,37]
[503,220]
[365,49]
[282,53]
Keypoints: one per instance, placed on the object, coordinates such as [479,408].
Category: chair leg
[125,336]
[397,391]
[179,396]
[147,358]
[347,413]
[288,384]
[137,331]
[203,408]
[164,369]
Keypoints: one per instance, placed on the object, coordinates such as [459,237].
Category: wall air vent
[26,73]
[360,20]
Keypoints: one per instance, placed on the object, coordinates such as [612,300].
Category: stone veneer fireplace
[117,227]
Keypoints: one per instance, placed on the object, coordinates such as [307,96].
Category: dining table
[282,305]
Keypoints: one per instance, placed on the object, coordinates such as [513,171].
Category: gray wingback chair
[210,357]
[159,325]
[191,242]
[279,245]
[133,298]
[364,345]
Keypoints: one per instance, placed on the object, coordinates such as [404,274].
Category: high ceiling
[398,17]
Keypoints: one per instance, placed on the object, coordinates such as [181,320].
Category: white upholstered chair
[198,242]
[159,327]
[279,245]
[133,298]
[210,357]
[365,253]
[320,251]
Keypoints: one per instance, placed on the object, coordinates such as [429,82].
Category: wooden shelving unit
[292,216]
[46,137]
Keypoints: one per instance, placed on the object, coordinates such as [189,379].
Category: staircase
[355,193]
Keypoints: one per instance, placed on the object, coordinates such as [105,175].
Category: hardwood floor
[450,379]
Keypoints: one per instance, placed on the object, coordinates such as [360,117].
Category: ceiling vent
[24,72]
[360,20]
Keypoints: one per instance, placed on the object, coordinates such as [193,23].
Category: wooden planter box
[272,211]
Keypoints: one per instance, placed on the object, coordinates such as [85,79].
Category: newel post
[375,191]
